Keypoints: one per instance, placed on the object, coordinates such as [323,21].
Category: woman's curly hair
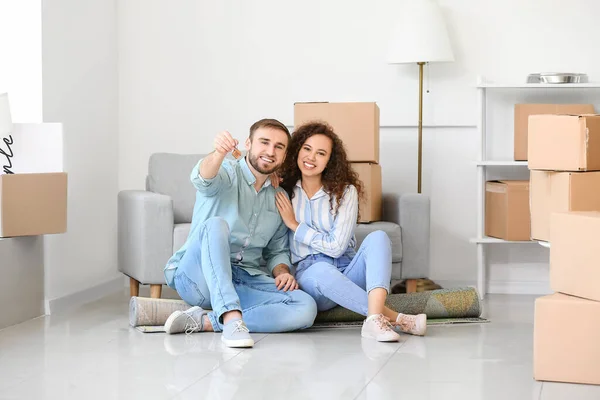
[336,176]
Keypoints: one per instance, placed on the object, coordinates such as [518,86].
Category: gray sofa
[154,223]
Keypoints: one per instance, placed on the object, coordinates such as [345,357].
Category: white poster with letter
[32,148]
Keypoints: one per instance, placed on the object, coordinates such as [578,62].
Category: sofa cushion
[169,174]
[393,231]
[180,234]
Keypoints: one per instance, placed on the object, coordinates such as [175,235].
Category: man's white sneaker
[412,324]
[378,328]
[236,334]
[188,321]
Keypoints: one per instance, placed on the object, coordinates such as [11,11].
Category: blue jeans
[206,278]
[347,280]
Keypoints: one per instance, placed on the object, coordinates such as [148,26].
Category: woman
[322,216]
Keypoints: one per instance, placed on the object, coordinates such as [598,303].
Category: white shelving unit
[483,163]
[501,163]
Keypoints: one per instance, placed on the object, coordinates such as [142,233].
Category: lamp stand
[420,154]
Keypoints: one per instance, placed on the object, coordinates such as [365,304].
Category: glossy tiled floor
[92,353]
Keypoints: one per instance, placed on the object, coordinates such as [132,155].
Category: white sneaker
[378,328]
[412,324]
[236,334]
[188,321]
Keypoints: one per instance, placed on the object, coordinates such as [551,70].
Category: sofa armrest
[145,234]
[412,213]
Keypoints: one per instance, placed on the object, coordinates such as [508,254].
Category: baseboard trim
[82,297]
[519,287]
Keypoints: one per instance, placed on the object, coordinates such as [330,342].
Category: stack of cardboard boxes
[357,124]
[33,185]
[520,209]
[564,162]
[33,202]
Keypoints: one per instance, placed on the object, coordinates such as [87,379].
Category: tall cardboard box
[33,204]
[357,124]
[507,210]
[574,263]
[565,339]
[522,113]
[564,142]
[552,191]
[370,204]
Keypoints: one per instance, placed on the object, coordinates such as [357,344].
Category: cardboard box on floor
[33,186]
[552,191]
[574,266]
[357,124]
[564,142]
[507,210]
[522,113]
[370,206]
[565,339]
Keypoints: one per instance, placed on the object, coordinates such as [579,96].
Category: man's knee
[306,308]
[217,224]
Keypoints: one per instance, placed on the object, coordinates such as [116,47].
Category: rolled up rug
[440,303]
[145,311]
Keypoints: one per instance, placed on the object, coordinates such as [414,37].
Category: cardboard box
[574,266]
[357,124]
[552,191]
[564,142]
[522,113]
[565,339]
[507,210]
[370,205]
[33,204]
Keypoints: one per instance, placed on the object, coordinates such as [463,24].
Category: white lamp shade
[420,34]
[5,119]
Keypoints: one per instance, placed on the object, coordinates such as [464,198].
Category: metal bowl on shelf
[543,243]
[557,77]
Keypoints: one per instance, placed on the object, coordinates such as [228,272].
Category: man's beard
[254,162]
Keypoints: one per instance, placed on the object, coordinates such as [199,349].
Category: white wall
[192,68]
[80,89]
[21,58]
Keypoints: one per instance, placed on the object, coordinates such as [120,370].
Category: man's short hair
[269,123]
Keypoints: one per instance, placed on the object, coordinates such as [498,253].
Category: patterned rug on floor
[446,306]
[441,303]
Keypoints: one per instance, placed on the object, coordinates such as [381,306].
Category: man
[235,223]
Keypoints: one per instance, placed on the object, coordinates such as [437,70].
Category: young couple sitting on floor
[291,195]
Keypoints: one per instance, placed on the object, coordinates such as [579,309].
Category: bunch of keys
[236,153]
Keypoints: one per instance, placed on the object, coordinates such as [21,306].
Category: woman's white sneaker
[378,327]
[412,324]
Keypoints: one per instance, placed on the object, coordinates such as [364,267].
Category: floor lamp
[420,37]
